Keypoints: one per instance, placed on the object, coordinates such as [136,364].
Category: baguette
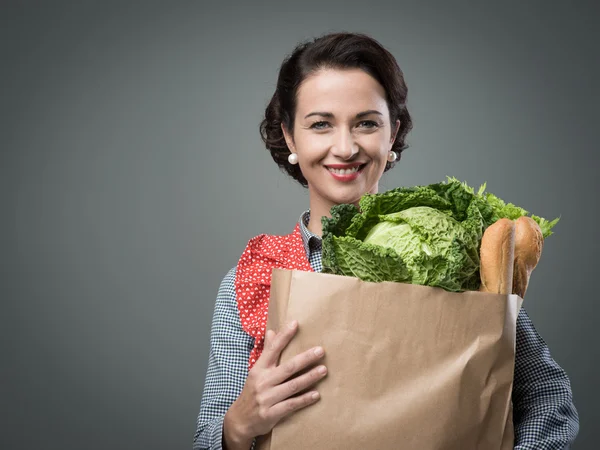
[529,242]
[497,257]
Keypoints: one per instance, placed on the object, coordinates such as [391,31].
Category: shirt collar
[311,241]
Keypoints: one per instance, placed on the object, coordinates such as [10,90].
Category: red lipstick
[344,172]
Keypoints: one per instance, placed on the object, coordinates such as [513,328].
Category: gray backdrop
[132,176]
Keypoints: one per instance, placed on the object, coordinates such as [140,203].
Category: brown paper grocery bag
[409,366]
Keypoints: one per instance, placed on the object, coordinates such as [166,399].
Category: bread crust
[529,242]
[497,257]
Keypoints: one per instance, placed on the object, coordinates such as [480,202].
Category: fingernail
[322,370]
[293,324]
[315,395]
[319,351]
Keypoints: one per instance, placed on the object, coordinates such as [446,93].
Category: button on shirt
[544,415]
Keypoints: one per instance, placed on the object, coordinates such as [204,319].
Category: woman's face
[342,136]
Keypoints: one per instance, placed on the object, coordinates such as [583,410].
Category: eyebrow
[330,115]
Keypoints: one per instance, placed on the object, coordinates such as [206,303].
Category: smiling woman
[336,122]
[320,64]
[342,153]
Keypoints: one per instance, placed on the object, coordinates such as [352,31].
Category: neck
[317,211]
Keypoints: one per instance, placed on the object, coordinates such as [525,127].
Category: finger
[271,352]
[267,344]
[291,387]
[295,364]
[269,336]
[285,408]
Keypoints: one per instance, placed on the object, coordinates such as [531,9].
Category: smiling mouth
[347,171]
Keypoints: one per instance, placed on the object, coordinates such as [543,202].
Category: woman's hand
[265,398]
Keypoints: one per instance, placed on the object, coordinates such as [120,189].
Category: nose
[344,146]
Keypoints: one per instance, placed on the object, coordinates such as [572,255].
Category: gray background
[132,176]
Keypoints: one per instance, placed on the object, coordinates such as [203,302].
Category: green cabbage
[428,235]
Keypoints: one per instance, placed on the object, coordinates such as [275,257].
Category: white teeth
[344,171]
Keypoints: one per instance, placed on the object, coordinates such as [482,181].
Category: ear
[395,132]
[288,138]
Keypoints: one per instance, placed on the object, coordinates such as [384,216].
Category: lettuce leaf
[428,235]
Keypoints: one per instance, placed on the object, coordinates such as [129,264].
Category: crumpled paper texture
[409,366]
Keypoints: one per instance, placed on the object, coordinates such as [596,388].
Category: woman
[337,121]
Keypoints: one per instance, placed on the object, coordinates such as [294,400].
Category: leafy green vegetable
[428,235]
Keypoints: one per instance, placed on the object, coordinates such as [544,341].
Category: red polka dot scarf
[253,280]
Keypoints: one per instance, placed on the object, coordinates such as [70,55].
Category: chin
[352,198]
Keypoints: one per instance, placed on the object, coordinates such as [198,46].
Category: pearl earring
[293,158]
[391,156]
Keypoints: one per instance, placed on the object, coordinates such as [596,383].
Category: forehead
[340,91]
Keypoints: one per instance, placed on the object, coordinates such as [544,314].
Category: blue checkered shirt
[543,412]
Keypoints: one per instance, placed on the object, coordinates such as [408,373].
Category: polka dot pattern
[253,280]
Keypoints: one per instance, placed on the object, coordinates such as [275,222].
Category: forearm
[226,374]
[209,435]
[234,435]
[545,424]
[544,414]
[221,433]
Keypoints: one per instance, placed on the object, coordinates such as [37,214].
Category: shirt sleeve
[230,348]
[543,410]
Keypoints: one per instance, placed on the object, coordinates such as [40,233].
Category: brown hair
[335,51]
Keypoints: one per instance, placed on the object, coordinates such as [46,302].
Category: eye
[317,125]
[368,124]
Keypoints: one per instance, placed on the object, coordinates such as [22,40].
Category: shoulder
[228,281]
[226,310]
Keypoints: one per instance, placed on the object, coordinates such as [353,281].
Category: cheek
[375,145]
[312,147]
[313,142]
